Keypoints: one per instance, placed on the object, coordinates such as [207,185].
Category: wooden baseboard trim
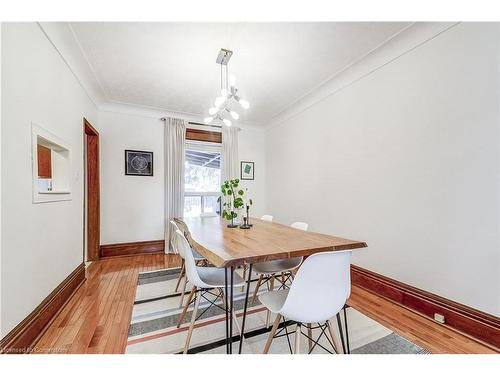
[132,248]
[474,323]
[23,338]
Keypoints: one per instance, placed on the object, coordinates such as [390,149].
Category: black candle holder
[248,216]
[245,224]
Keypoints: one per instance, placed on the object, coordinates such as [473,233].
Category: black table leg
[339,323]
[346,331]
[245,308]
[227,309]
[231,314]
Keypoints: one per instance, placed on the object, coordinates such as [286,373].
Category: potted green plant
[232,200]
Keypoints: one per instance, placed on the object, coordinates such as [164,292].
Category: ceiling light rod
[228,93]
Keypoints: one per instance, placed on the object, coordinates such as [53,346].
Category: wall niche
[51,164]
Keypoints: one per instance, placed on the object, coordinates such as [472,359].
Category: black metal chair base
[288,277]
[323,327]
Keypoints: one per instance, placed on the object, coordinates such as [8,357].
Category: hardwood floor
[96,319]
[421,330]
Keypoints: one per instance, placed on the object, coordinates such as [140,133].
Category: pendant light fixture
[223,104]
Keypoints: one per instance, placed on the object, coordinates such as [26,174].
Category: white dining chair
[182,279]
[318,293]
[268,218]
[300,225]
[185,230]
[203,279]
[271,268]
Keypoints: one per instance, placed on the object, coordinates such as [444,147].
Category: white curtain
[230,158]
[175,140]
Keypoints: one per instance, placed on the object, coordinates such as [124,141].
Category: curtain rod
[200,124]
[197,123]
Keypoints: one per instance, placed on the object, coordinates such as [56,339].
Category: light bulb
[232,80]
[234,115]
[213,110]
[244,103]
[208,120]
[227,122]
[219,101]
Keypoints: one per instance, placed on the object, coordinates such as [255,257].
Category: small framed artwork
[247,170]
[138,163]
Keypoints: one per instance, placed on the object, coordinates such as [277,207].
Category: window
[202,179]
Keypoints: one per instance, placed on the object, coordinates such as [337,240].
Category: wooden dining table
[230,248]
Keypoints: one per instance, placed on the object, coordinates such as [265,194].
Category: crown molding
[145,111]
[65,42]
[62,38]
[158,113]
[401,43]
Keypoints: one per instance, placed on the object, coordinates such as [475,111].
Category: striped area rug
[156,313]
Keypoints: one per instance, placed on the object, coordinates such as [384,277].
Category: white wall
[132,207]
[42,243]
[252,147]
[406,159]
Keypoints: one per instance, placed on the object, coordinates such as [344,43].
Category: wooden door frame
[92,179]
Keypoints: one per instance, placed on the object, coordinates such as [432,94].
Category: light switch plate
[439,318]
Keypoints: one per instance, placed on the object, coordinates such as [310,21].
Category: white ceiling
[172,65]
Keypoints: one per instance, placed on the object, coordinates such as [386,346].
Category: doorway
[91,192]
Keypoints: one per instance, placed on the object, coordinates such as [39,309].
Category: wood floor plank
[97,318]
[421,330]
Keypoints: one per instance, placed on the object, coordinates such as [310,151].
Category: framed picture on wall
[138,163]
[247,170]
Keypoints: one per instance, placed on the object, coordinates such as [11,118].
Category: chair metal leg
[283,280]
[193,320]
[180,276]
[335,338]
[271,334]
[184,311]
[285,324]
[298,333]
[324,331]
[261,276]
